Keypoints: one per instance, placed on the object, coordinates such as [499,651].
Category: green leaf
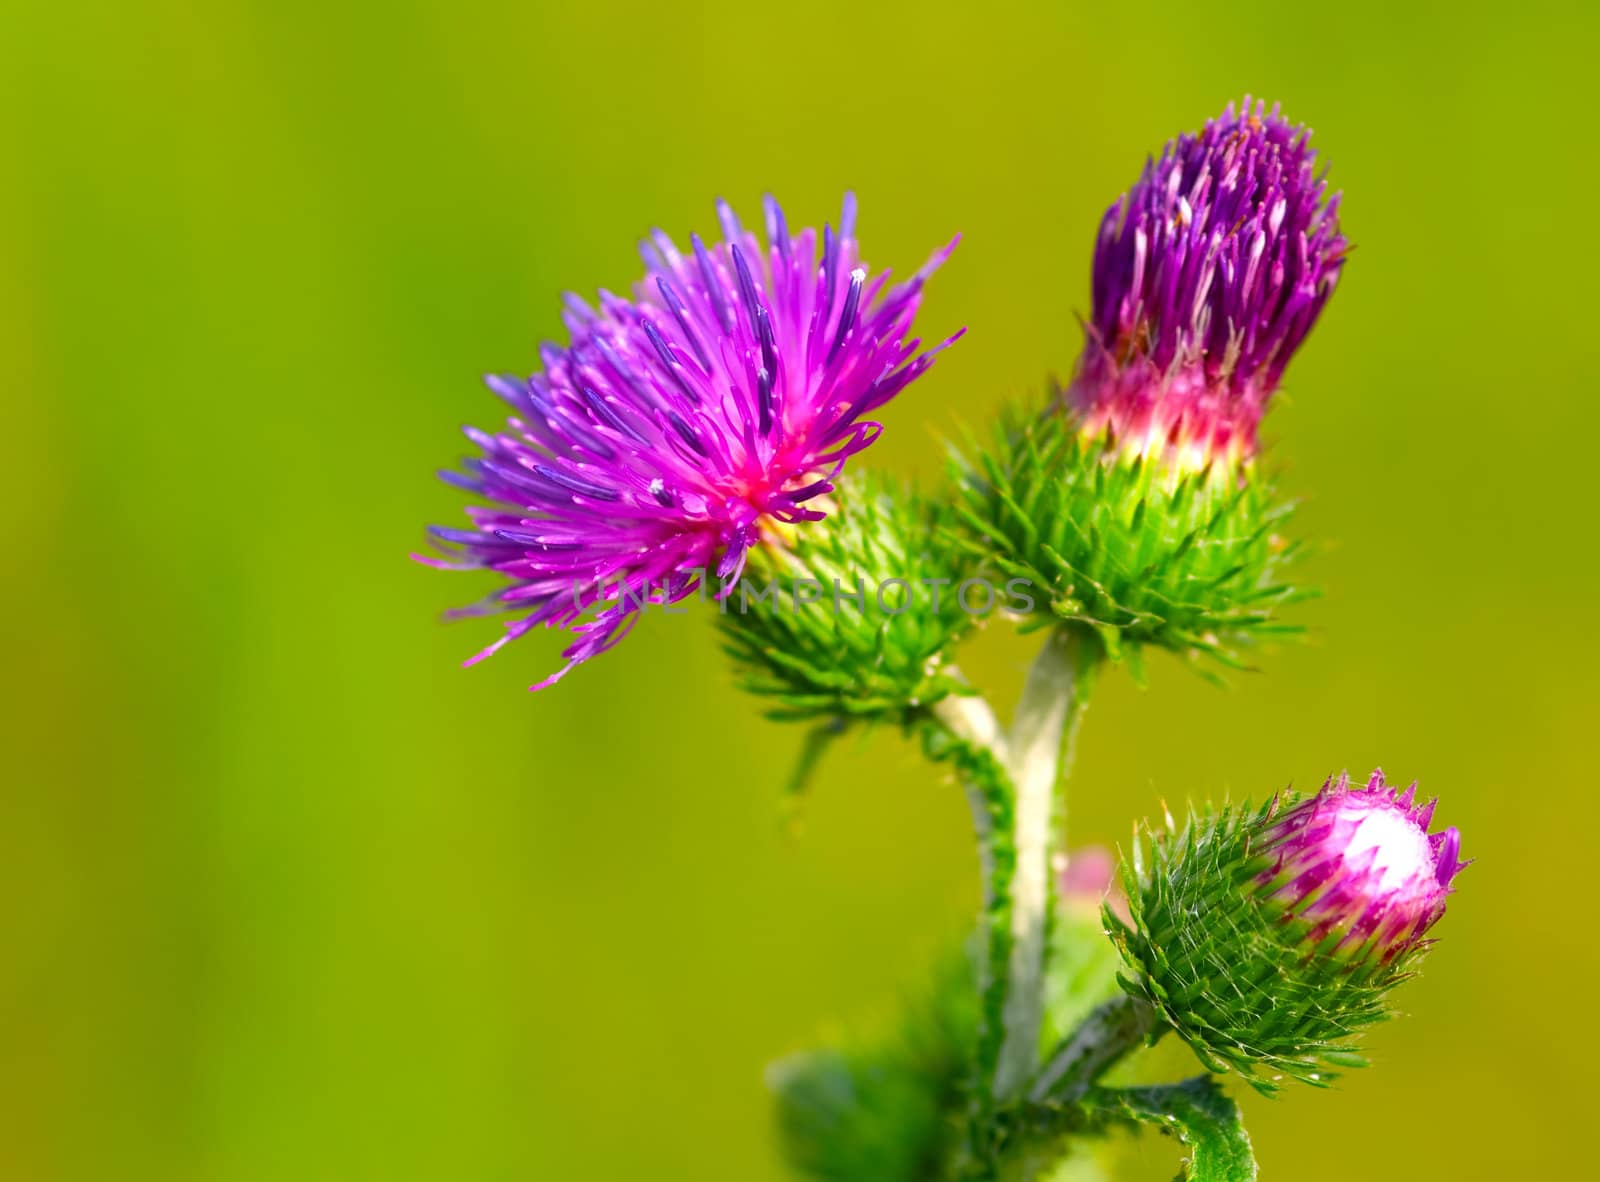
[882,1105]
[1200,1115]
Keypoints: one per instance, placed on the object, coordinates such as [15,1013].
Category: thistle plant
[694,440]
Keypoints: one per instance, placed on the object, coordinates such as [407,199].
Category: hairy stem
[979,756]
[1109,1032]
[1040,752]
[972,720]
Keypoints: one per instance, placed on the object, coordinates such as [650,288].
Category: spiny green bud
[1145,553]
[855,616]
[1137,501]
[1267,938]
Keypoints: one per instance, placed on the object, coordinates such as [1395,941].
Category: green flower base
[1193,563]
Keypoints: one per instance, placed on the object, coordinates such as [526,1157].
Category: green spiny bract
[1188,561]
[1246,979]
[846,627]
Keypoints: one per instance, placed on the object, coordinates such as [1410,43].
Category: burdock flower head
[1266,938]
[1208,274]
[677,430]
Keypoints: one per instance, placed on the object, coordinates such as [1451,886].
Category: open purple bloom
[678,428]
[1208,274]
[1360,867]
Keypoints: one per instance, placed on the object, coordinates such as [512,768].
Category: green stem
[1110,1032]
[1036,1128]
[978,752]
[1040,753]
[970,719]
[1086,665]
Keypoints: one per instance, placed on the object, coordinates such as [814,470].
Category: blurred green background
[291,896]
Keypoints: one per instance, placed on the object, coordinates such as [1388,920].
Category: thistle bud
[1208,274]
[1267,938]
[1135,500]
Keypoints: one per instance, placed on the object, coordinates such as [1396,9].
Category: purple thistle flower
[679,429]
[1359,866]
[1208,274]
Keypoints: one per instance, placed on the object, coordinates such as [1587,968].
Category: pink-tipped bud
[1359,867]
[1208,274]
[1268,937]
